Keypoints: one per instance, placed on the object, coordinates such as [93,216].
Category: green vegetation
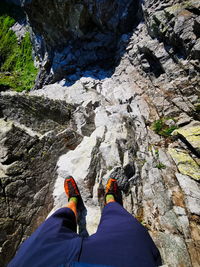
[160,165]
[157,153]
[17,70]
[160,127]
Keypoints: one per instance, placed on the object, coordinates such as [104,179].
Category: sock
[110,198]
[74,199]
[72,204]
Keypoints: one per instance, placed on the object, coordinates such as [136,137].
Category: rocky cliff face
[125,104]
[16,2]
[34,132]
[75,35]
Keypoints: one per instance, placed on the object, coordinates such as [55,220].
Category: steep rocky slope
[78,35]
[136,118]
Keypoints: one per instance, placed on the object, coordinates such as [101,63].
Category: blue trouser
[54,243]
[120,241]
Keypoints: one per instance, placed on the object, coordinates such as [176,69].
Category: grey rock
[196,50]
[176,248]
[25,110]
[90,29]
[16,2]
[122,179]
[81,16]
[192,192]
[20,29]
[28,158]
[183,119]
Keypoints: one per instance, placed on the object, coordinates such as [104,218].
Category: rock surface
[185,163]
[31,142]
[16,2]
[106,122]
[76,34]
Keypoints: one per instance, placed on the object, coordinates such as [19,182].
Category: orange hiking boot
[71,188]
[112,188]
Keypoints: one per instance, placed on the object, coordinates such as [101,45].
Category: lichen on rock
[190,134]
[185,163]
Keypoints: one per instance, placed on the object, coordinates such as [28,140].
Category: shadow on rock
[81,35]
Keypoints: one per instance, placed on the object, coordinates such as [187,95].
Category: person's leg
[72,204]
[120,241]
[54,242]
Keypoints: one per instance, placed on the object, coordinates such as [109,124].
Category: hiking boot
[71,188]
[112,188]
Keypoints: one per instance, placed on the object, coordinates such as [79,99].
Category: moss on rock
[162,128]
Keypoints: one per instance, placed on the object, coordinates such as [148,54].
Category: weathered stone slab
[190,133]
[175,253]
[185,163]
[192,193]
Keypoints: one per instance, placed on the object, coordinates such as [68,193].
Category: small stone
[183,119]
[179,210]
[170,122]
